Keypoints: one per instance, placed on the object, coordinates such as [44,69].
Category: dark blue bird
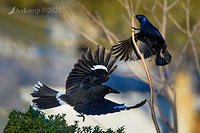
[84,89]
[150,42]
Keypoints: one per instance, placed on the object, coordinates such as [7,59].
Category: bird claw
[135,28]
[81,115]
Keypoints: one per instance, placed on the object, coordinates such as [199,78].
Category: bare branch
[131,6]
[188,20]
[137,6]
[151,102]
[161,6]
[183,53]
[172,5]
[126,20]
[176,24]
[162,116]
[126,6]
[152,11]
[67,18]
[195,27]
[164,18]
[101,24]
[195,56]
[139,76]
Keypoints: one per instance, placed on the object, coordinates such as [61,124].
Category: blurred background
[41,40]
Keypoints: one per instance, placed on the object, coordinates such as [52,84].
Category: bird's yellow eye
[109,90]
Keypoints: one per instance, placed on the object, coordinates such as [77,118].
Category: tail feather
[45,97]
[163,57]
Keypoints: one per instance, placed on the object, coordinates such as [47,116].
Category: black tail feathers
[46,97]
[163,57]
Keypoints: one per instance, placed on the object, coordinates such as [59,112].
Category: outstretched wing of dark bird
[90,70]
[84,84]
[150,42]
[104,106]
[84,89]
[125,50]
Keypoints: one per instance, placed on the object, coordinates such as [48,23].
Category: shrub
[35,121]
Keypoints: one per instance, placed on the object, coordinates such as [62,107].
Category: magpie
[149,41]
[84,89]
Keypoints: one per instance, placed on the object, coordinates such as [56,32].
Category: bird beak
[114,91]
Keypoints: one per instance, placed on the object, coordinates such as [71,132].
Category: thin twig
[131,6]
[196,57]
[187,10]
[137,6]
[110,40]
[152,11]
[126,6]
[138,75]
[110,36]
[151,101]
[164,18]
[177,24]
[174,110]
[180,59]
[172,5]
[67,18]
[162,116]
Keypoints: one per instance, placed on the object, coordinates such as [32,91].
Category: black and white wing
[125,50]
[91,70]
[104,106]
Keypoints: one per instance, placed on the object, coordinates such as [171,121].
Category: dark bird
[84,89]
[149,41]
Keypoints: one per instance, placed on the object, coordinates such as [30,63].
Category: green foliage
[35,121]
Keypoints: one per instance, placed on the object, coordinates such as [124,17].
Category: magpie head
[142,19]
[102,90]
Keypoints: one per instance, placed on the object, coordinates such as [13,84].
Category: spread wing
[125,50]
[104,106]
[91,70]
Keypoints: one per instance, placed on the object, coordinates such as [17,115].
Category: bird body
[84,89]
[150,42]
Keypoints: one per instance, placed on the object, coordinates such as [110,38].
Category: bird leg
[81,115]
[135,28]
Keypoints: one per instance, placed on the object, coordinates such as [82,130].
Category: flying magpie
[84,89]
[149,41]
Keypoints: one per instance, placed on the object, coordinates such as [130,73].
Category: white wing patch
[40,84]
[61,102]
[95,67]
[37,86]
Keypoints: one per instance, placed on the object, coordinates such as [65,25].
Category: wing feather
[96,55]
[104,106]
[125,49]
[107,59]
[90,70]
[102,56]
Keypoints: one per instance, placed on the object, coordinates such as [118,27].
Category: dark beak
[114,91]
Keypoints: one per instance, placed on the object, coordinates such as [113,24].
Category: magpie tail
[163,57]
[45,97]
